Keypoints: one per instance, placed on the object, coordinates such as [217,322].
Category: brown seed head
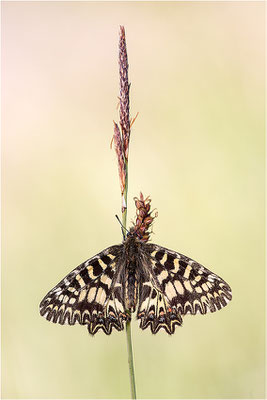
[144,218]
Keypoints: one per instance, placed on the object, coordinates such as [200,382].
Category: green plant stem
[130,359]
[128,323]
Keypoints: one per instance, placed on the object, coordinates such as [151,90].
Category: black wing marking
[89,295]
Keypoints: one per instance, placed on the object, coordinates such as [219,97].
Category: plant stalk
[130,359]
[124,201]
[128,323]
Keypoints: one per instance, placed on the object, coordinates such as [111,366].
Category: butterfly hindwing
[155,311]
[88,295]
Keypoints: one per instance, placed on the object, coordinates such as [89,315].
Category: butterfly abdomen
[131,273]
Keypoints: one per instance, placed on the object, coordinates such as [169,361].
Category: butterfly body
[131,274]
[161,285]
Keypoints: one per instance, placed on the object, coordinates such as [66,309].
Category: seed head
[144,217]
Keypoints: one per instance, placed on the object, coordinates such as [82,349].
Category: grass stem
[130,359]
[128,323]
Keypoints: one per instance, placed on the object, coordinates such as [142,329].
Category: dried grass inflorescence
[144,217]
[122,130]
[121,135]
[124,92]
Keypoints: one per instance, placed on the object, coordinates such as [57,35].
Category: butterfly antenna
[123,229]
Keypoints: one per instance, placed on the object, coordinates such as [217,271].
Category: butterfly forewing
[89,294]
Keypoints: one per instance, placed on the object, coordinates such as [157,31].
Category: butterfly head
[135,233]
[132,233]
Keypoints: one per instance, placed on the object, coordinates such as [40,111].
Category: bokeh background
[197,147]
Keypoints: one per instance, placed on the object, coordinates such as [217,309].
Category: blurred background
[197,148]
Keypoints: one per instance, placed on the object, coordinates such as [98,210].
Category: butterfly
[161,285]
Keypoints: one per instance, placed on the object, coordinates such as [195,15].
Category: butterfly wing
[154,309]
[89,295]
[177,286]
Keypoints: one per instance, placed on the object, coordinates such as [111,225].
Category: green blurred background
[197,147]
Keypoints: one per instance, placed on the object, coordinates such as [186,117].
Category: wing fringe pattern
[155,312]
